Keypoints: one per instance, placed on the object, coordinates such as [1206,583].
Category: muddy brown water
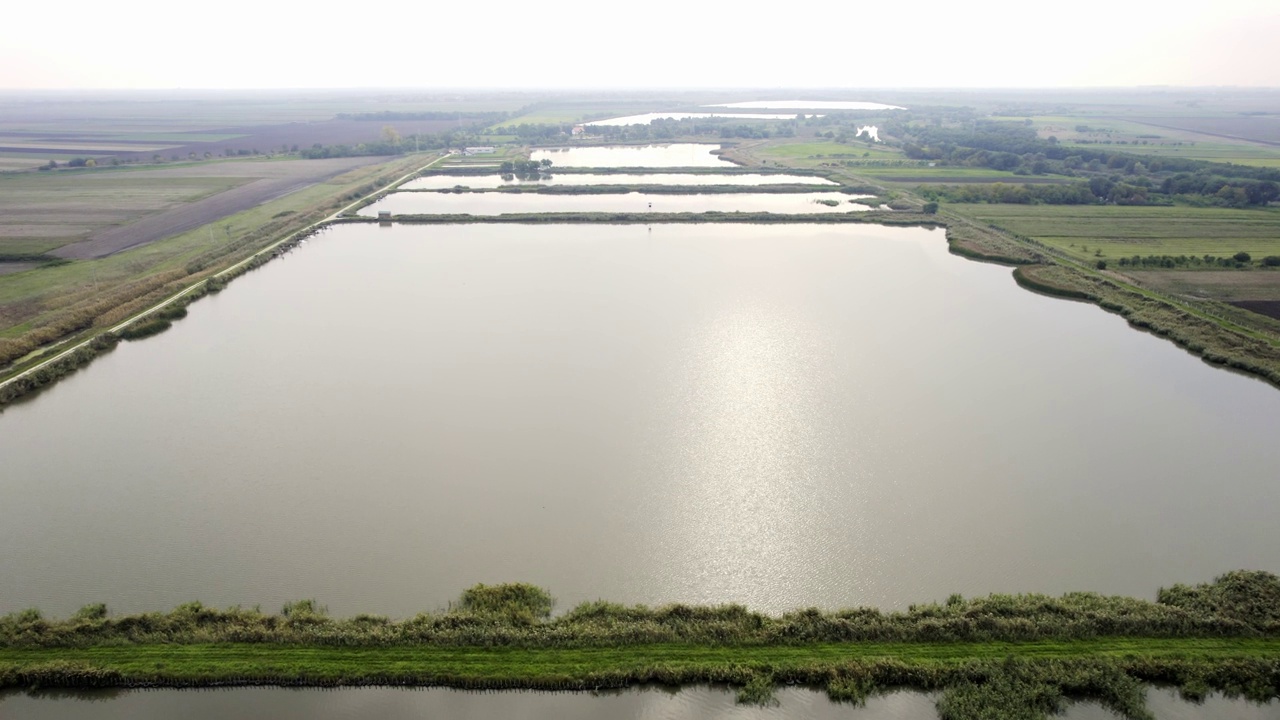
[780,416]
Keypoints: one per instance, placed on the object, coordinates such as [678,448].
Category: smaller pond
[651,702]
[808,105]
[433,203]
[673,155]
[444,182]
[647,118]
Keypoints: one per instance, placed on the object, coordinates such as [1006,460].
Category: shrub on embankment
[518,615]
[49,374]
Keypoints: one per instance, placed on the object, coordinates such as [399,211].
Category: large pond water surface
[420,203]
[624,156]
[780,416]
[808,105]
[443,182]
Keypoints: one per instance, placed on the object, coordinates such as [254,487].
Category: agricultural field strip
[390,187]
[1265,131]
[291,661]
[1157,227]
[1083,264]
[87,147]
[1126,134]
[1228,285]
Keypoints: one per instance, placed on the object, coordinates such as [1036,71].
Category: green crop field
[942,175]
[1124,231]
[811,153]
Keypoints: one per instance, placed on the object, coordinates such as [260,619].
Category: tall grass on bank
[1001,657]
[1239,604]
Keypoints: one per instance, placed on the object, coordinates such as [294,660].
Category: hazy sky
[659,43]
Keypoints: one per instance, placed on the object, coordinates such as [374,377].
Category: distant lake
[650,117]
[675,155]
[808,105]
[431,203]
[444,182]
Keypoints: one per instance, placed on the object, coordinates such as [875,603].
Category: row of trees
[1239,260]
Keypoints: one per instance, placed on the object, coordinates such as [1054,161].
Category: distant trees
[1116,177]
[524,169]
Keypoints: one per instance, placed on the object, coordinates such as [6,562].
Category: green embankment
[587,667]
[1002,656]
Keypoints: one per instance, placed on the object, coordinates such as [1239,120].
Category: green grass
[1124,231]
[534,665]
[812,153]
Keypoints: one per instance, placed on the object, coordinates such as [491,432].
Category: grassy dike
[994,657]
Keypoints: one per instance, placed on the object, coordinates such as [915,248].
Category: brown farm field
[98,212]
[1254,128]
[1227,285]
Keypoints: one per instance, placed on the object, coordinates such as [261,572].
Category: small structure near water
[384,217]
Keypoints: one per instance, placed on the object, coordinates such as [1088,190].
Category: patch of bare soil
[1270,308]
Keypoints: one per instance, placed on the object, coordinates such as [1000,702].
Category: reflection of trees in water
[80,695]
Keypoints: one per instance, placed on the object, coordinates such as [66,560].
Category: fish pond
[444,182]
[495,203]
[775,415]
[673,155]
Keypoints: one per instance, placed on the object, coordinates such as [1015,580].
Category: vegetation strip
[181,664]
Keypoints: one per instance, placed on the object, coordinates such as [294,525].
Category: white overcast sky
[658,43]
